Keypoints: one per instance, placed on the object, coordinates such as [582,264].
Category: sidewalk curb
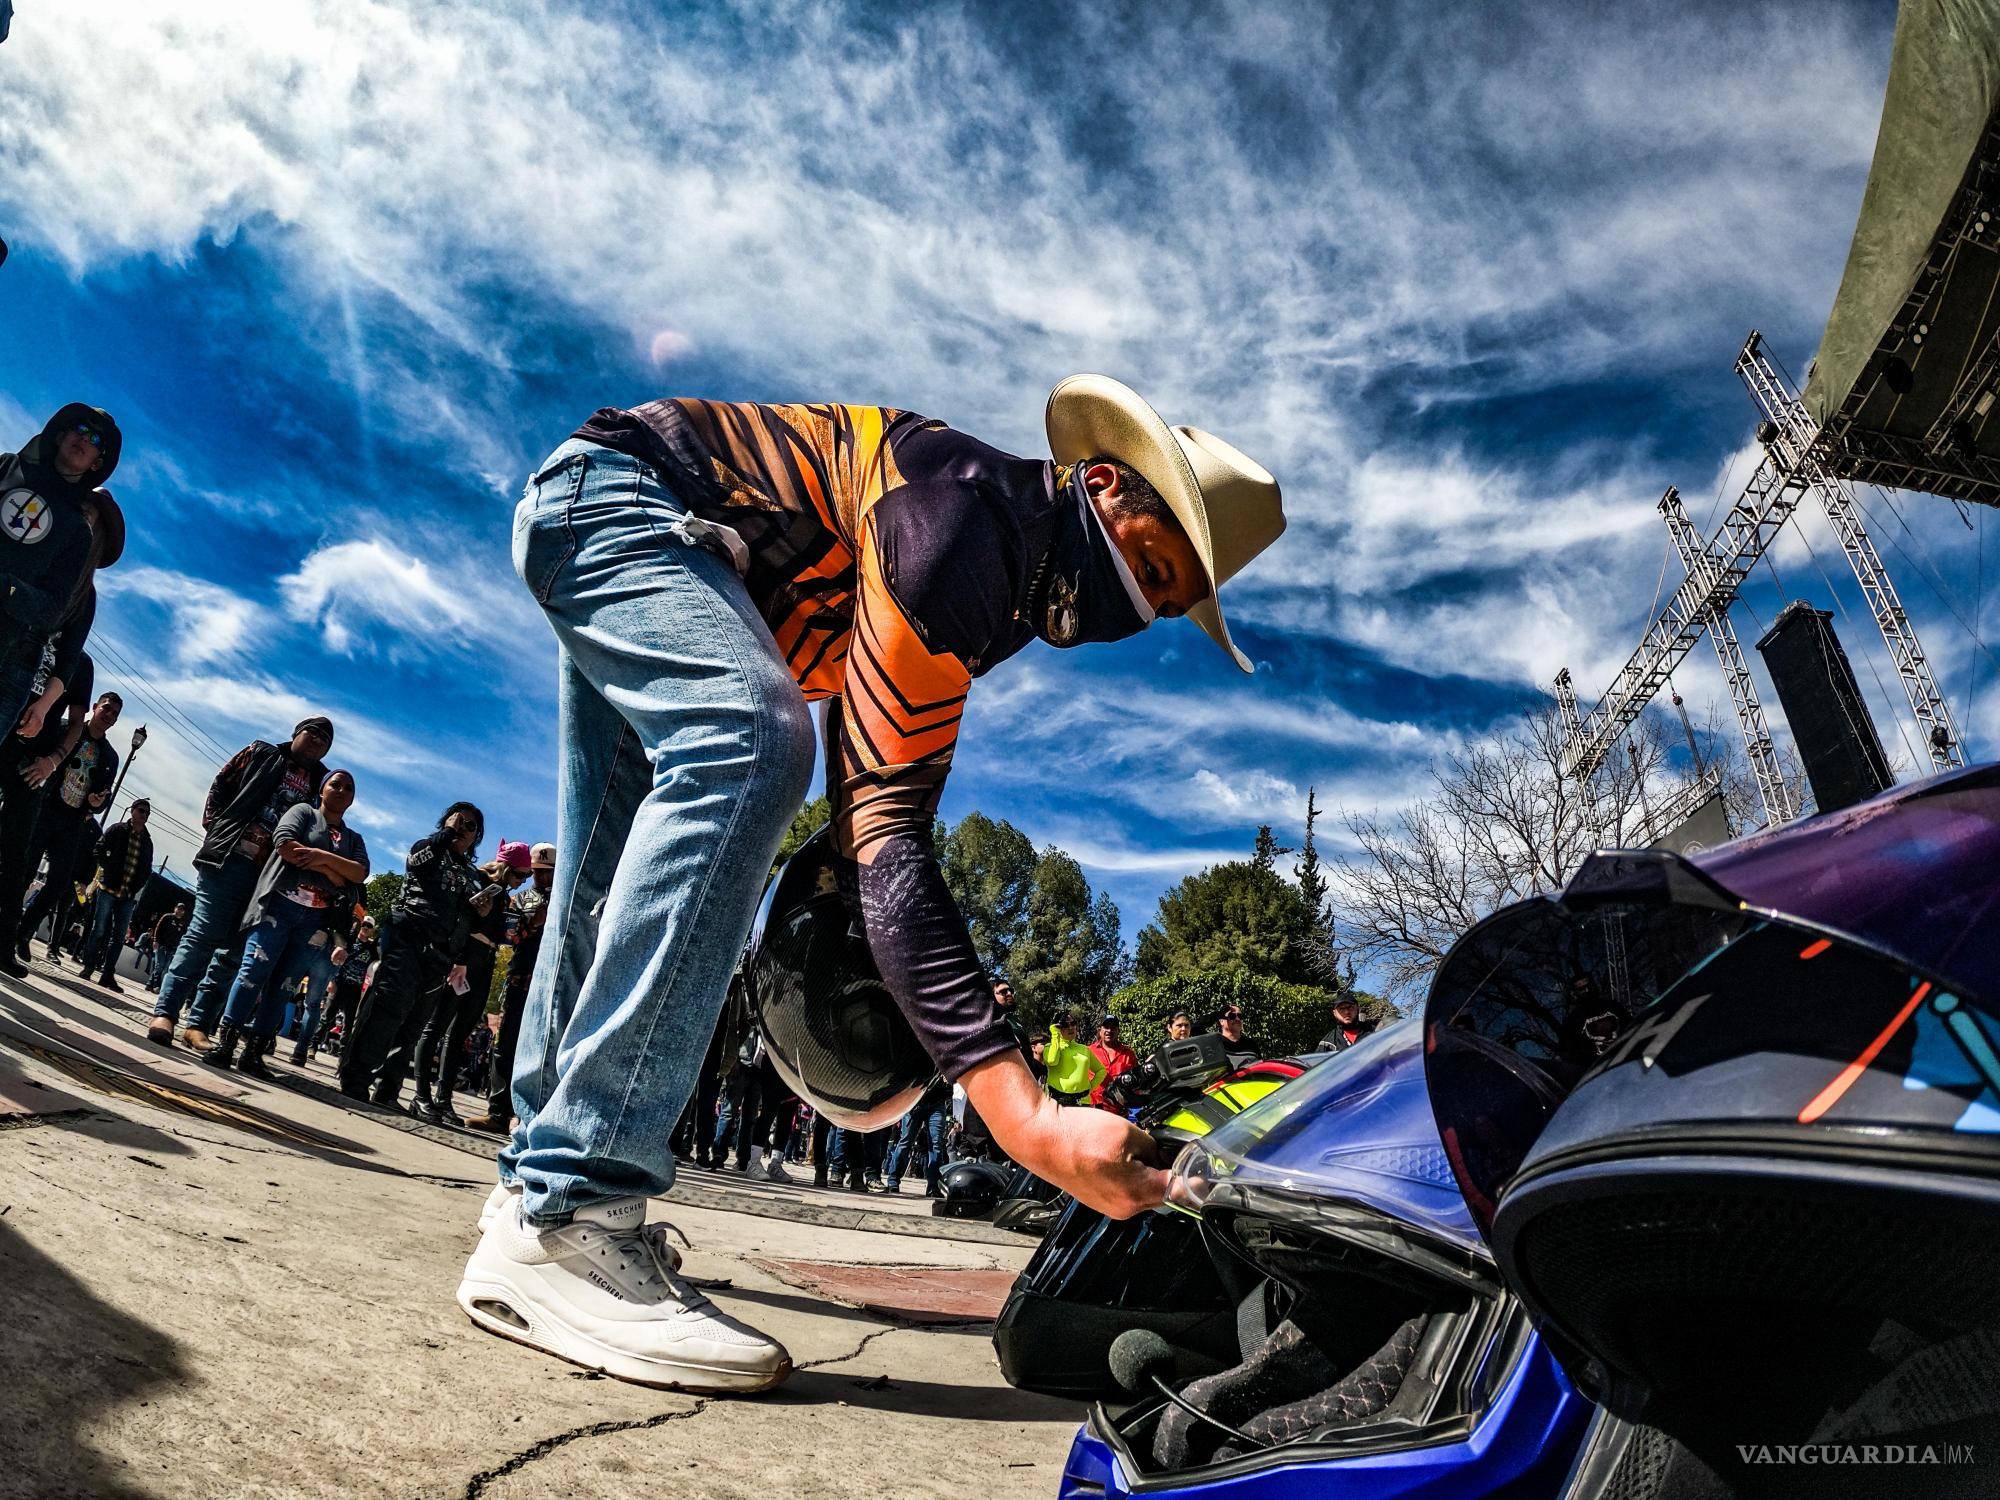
[697,1194]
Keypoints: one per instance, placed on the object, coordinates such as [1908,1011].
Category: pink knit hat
[515,856]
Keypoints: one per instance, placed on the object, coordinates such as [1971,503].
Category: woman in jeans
[348,981]
[302,908]
[452,1011]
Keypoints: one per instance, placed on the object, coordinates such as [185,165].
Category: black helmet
[834,1033]
[971,1188]
[1731,1125]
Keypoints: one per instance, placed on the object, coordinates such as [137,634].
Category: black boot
[222,1051]
[301,1051]
[252,1063]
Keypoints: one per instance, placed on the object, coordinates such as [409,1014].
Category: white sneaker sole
[488,1302]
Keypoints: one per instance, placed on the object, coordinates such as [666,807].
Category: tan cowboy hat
[1227,502]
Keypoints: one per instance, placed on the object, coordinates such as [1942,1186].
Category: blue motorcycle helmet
[1376,1352]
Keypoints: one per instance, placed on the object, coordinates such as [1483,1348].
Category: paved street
[215,1287]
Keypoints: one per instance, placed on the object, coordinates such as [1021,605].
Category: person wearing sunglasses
[1242,1046]
[57,527]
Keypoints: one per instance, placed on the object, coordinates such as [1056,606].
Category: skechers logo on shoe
[598,1278]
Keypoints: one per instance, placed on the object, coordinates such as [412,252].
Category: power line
[173,720]
[1923,568]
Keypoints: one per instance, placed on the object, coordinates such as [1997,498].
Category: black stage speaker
[1836,737]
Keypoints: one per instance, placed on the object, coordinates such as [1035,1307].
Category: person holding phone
[422,949]
[455,1006]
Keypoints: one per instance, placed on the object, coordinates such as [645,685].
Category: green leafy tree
[806,822]
[1286,1018]
[1240,915]
[379,895]
[1322,955]
[496,993]
[1068,951]
[989,868]
[1265,854]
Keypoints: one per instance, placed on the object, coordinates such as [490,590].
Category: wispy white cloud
[350,588]
[210,622]
[1251,794]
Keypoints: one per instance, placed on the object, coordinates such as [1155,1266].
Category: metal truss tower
[1771,789]
[1790,469]
[1793,434]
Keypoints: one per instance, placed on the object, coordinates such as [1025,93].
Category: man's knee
[783,774]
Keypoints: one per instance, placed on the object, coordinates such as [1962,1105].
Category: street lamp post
[138,742]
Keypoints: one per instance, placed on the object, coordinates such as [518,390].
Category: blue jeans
[109,917]
[319,977]
[686,748]
[929,1129]
[206,958]
[277,954]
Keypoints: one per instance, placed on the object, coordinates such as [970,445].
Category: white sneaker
[774,1169]
[502,1195]
[604,1291]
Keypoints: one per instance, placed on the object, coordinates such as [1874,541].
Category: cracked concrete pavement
[214,1287]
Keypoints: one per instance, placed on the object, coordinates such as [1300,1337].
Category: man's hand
[31,720]
[1103,1161]
[456,978]
[99,799]
[38,771]
[339,955]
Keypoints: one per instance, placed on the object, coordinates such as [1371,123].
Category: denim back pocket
[544,539]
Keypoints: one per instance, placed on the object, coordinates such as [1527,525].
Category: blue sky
[1468,279]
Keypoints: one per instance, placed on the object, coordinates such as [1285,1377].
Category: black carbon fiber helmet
[833,1031]
[971,1189]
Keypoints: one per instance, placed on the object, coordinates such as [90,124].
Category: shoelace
[661,1264]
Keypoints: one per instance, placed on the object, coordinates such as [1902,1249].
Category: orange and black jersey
[891,557]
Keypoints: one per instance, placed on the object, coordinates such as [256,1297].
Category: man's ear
[1103,481]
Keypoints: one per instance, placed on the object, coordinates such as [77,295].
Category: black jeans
[390,1018]
[58,837]
[441,1046]
[696,1131]
[776,1109]
[20,816]
[346,1001]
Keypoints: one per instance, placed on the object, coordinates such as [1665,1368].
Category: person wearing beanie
[297,923]
[530,912]
[256,787]
[453,1011]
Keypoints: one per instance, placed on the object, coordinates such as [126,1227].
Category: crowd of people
[278,934]
[743,1117]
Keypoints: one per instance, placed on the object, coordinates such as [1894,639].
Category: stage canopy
[1906,384]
